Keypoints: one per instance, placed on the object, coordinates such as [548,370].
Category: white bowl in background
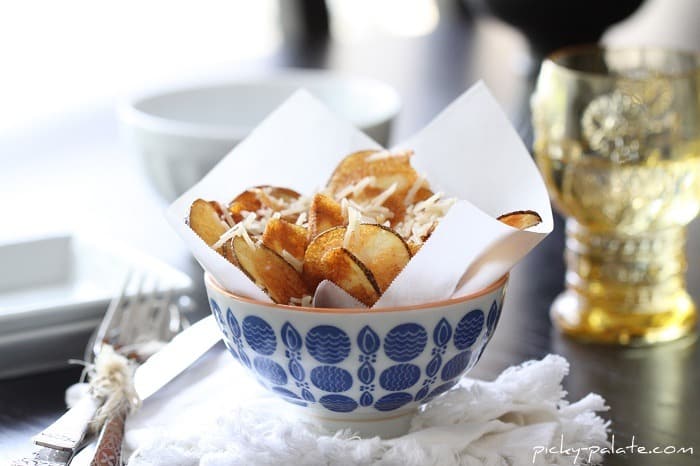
[182,133]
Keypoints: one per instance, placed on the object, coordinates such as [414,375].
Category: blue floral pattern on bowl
[328,344]
[468,329]
[441,337]
[405,342]
[368,341]
[364,364]
[399,377]
[259,335]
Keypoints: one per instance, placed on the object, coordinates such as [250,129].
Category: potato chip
[390,173]
[294,242]
[413,247]
[355,167]
[313,269]
[382,250]
[276,198]
[379,248]
[206,221]
[254,199]
[247,201]
[345,270]
[281,235]
[269,271]
[324,214]
[227,252]
[521,219]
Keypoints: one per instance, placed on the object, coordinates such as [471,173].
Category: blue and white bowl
[354,368]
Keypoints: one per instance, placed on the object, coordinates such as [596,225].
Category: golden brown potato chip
[379,248]
[355,167]
[414,247]
[313,268]
[281,235]
[246,201]
[382,250]
[521,219]
[345,270]
[205,221]
[324,214]
[227,252]
[253,199]
[387,171]
[276,198]
[269,271]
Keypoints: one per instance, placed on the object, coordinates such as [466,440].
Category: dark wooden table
[653,393]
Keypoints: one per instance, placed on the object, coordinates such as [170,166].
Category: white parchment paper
[469,151]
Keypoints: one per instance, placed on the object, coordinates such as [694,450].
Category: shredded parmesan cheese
[238,229]
[304,301]
[370,213]
[422,218]
[384,195]
[248,239]
[354,219]
[302,219]
[373,211]
[266,197]
[385,154]
[255,226]
[228,219]
[293,261]
[297,206]
[411,194]
[356,188]
[344,208]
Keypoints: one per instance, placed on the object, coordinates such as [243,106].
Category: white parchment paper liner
[470,151]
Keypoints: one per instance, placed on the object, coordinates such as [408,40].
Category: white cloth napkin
[215,414]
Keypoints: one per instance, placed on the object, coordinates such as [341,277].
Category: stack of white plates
[54,292]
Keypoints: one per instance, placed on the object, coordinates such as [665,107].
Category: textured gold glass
[617,138]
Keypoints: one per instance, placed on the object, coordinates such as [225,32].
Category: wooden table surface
[653,393]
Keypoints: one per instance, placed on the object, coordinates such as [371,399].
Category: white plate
[54,291]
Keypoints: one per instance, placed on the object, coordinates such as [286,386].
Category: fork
[138,342]
[135,326]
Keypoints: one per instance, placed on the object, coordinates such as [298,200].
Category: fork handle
[68,431]
[109,446]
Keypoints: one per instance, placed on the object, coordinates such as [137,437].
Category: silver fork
[141,332]
[136,326]
[140,326]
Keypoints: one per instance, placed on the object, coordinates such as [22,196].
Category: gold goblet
[617,138]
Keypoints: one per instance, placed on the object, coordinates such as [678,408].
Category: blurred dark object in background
[315,14]
[552,24]
[305,21]
[306,30]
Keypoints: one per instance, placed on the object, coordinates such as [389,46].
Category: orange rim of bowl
[329,310]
